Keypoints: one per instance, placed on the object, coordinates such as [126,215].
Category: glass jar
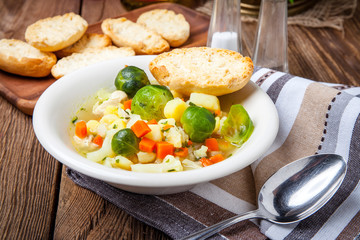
[132,4]
[270,48]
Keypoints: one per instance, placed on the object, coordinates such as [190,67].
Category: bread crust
[125,33]
[171,26]
[20,58]
[77,60]
[86,42]
[204,70]
[55,33]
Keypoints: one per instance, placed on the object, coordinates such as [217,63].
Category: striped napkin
[314,118]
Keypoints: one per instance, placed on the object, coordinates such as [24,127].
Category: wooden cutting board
[23,92]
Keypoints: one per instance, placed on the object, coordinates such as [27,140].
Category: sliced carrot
[152,121]
[206,162]
[217,112]
[147,145]
[212,144]
[163,149]
[81,129]
[98,140]
[140,128]
[181,152]
[167,127]
[127,104]
[189,143]
[217,158]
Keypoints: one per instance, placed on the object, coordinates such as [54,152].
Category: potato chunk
[146,157]
[175,108]
[155,134]
[122,162]
[207,101]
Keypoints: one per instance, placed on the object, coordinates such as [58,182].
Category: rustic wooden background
[38,201]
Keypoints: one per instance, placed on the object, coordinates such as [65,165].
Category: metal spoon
[293,193]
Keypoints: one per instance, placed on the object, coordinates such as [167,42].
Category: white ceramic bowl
[59,103]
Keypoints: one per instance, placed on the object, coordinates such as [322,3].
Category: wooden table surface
[38,201]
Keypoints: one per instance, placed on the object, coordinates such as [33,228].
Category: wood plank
[327,55]
[94,11]
[29,179]
[83,214]
[16,15]
[334,62]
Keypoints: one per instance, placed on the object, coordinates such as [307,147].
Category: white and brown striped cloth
[314,118]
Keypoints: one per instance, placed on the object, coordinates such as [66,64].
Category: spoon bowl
[293,193]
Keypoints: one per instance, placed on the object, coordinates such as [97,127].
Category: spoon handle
[209,231]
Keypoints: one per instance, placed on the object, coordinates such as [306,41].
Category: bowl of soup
[146,138]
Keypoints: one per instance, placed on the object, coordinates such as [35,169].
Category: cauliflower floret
[109,119]
[85,144]
[115,98]
[176,136]
[191,155]
[200,153]
[117,124]
[112,109]
[112,121]
[132,120]
[169,164]
[184,136]
[191,165]
[173,135]
[172,164]
[124,114]
[222,120]
[101,130]
[167,121]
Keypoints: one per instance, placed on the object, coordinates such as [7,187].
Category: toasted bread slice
[171,26]
[88,41]
[125,33]
[21,58]
[55,33]
[203,70]
[79,60]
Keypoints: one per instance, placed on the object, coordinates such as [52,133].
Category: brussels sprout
[198,123]
[149,102]
[125,142]
[238,126]
[130,79]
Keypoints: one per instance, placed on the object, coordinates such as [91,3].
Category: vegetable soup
[144,127]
